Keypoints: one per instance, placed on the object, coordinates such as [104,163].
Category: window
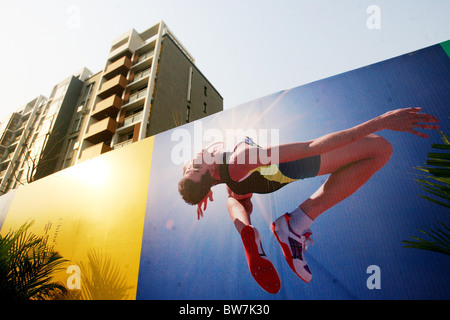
[86,91]
[77,123]
[205,91]
[204,107]
[188,113]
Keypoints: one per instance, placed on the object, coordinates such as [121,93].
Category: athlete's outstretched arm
[405,120]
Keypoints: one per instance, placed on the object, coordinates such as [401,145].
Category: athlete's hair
[193,192]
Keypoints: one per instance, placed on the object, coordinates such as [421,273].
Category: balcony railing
[141,75]
[137,95]
[122,144]
[131,119]
[145,56]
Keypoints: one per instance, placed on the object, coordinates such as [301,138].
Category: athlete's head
[196,181]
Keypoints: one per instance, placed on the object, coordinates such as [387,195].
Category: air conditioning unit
[82,109]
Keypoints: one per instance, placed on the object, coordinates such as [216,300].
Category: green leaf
[441,243]
[439,155]
[26,266]
[435,201]
[441,146]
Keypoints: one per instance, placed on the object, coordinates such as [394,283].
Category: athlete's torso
[264,179]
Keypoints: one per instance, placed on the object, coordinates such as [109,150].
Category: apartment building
[53,125]
[31,137]
[149,84]
[15,133]
[79,119]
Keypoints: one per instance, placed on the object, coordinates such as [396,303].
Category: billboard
[121,219]
[92,214]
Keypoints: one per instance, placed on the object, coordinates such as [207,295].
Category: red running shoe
[260,267]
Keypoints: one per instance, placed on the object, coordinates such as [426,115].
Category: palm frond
[27,264]
[441,243]
[436,182]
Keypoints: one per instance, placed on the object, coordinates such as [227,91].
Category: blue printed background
[183,258]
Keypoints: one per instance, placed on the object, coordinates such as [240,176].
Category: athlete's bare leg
[240,209]
[263,271]
[403,120]
[349,167]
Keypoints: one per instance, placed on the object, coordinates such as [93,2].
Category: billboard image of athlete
[350,157]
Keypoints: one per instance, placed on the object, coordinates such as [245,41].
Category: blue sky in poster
[183,258]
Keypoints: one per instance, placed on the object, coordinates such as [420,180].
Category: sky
[247,49]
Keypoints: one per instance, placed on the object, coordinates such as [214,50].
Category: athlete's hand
[204,202]
[407,120]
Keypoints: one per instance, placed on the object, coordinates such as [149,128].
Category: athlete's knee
[382,148]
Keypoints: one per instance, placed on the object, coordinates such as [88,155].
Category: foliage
[436,182]
[26,266]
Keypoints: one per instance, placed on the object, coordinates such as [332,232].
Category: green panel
[446,46]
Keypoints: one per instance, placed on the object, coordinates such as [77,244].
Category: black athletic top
[273,178]
[254,183]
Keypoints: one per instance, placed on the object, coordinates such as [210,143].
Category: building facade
[15,135]
[149,84]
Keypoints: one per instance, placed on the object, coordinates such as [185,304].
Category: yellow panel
[94,214]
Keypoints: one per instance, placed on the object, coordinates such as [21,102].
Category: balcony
[144,56]
[132,119]
[121,48]
[128,121]
[122,144]
[107,108]
[137,96]
[139,76]
[114,86]
[101,131]
[94,151]
[119,67]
